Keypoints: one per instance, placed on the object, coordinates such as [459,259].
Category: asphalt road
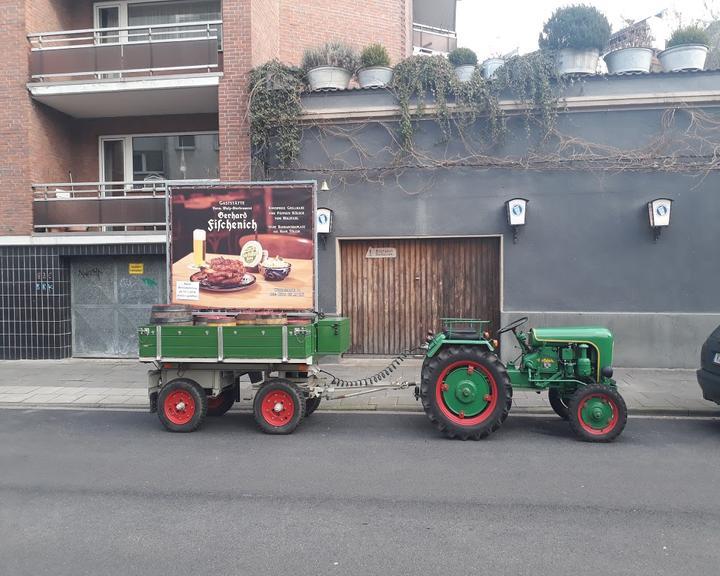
[111,493]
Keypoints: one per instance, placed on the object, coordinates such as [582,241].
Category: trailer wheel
[465,391]
[597,413]
[559,402]
[218,405]
[278,407]
[311,404]
[182,405]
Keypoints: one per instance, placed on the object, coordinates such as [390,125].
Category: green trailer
[198,369]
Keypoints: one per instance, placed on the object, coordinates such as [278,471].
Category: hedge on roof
[581,27]
[688,35]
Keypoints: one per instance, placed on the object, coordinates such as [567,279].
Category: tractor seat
[462,334]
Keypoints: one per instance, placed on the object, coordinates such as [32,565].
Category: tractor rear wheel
[597,413]
[559,402]
[465,392]
[278,407]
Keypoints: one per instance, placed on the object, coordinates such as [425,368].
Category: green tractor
[466,390]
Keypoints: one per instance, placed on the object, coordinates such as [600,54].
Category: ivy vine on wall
[418,81]
[275,109]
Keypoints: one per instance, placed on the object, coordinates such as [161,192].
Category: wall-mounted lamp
[516,214]
[324,224]
[659,215]
[324,186]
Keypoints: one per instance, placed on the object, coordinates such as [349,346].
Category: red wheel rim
[598,431]
[492,401]
[278,408]
[179,407]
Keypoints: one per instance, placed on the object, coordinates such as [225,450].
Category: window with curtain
[182,157]
[176,12]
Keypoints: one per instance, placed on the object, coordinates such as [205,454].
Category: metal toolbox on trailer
[256,343]
[333,335]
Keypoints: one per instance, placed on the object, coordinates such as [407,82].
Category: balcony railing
[431,40]
[97,53]
[99,206]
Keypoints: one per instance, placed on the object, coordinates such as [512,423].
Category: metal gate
[396,290]
[110,297]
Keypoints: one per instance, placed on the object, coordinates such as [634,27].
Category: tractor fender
[440,341]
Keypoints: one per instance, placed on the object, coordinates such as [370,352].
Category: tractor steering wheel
[513,325]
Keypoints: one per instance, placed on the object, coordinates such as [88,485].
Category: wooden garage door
[394,301]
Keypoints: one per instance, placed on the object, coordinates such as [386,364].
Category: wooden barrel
[177,314]
[214,320]
[245,318]
[271,319]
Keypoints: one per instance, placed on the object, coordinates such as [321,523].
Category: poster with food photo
[242,247]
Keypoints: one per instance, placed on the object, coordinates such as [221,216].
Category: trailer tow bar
[323,391]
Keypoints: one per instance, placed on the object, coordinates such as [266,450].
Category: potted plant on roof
[489,65]
[686,50]
[375,70]
[576,34]
[630,49]
[329,67]
[464,60]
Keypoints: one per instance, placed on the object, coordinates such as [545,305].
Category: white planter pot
[374,76]
[490,65]
[464,73]
[629,60]
[571,61]
[683,57]
[328,77]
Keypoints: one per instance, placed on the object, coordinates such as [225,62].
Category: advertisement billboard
[248,246]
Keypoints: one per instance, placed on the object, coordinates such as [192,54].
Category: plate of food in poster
[223,274]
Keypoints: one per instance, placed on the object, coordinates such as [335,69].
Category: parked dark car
[709,374]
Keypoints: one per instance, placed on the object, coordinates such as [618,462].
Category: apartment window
[138,13]
[150,163]
[139,158]
[186,142]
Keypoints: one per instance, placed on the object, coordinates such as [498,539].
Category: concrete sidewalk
[123,384]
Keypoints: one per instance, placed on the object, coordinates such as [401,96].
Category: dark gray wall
[587,246]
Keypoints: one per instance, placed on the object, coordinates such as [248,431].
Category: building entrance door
[396,290]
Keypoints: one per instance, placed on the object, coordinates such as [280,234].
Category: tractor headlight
[607,371]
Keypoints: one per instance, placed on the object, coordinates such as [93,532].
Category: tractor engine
[572,361]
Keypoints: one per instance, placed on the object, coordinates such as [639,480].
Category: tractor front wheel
[465,392]
[278,407]
[597,413]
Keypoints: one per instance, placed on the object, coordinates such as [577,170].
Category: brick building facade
[94,93]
